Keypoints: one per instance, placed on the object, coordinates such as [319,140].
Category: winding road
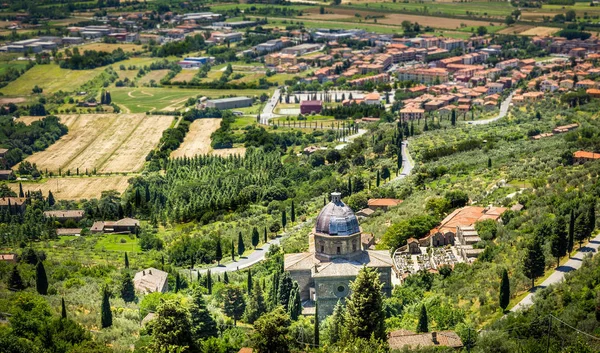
[503,111]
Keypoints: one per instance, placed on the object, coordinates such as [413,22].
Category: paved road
[559,274]
[267,112]
[503,111]
[256,256]
[350,138]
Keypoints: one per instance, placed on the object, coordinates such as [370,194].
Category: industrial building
[229,103]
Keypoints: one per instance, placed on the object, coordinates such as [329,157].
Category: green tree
[316,327]
[453,118]
[571,241]
[249,281]
[293,213]
[336,323]
[171,330]
[208,281]
[126,261]
[283,219]
[272,332]
[489,162]
[255,237]
[15,281]
[241,248]
[218,251]
[294,304]
[284,289]
[481,31]
[535,261]
[63,308]
[232,251]
[581,231]
[378,180]
[106,313]
[127,288]
[234,304]
[41,280]
[50,199]
[423,324]
[21,193]
[559,241]
[255,305]
[225,278]
[364,307]
[202,323]
[265,235]
[504,290]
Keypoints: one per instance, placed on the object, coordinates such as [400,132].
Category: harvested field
[12,100]
[155,75]
[108,47]
[76,188]
[105,142]
[540,31]
[185,75]
[514,29]
[197,140]
[329,16]
[224,152]
[27,120]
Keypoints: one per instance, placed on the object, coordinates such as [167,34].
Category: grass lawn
[140,100]
[117,242]
[51,78]
[243,121]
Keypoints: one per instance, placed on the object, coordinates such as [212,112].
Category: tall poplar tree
[241,248]
[423,324]
[218,251]
[255,237]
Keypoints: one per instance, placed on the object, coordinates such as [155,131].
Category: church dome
[336,218]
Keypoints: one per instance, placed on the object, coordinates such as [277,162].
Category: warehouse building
[229,103]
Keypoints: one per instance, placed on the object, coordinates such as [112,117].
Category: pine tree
[255,305]
[294,305]
[293,213]
[240,246]
[63,309]
[504,290]
[337,323]
[41,280]
[378,181]
[571,241]
[265,235]
[255,237]
[453,118]
[316,327]
[364,306]
[202,323]
[535,262]
[225,278]
[283,219]
[489,162]
[127,288]
[559,240]
[126,261]
[106,320]
[15,282]
[218,252]
[249,281]
[284,289]
[423,324]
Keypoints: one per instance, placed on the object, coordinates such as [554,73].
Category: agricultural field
[154,75]
[109,47]
[108,143]
[51,78]
[185,75]
[76,188]
[540,31]
[134,100]
[494,9]
[197,140]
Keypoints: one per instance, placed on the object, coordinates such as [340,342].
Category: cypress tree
[265,235]
[15,282]
[255,237]
[41,280]
[218,252]
[256,305]
[284,289]
[209,282]
[106,319]
[108,98]
[63,309]
[535,261]
[378,178]
[349,186]
[489,162]
[249,281]
[127,289]
[364,307]
[225,278]
[294,305]
[571,241]
[399,158]
[504,290]
[283,219]
[293,213]
[241,247]
[126,261]
[581,230]
[453,118]
[423,325]
[177,282]
[50,199]
[232,251]
[316,334]
[21,193]
[337,323]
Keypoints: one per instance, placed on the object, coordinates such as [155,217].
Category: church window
[339,250]
[322,248]
[340,289]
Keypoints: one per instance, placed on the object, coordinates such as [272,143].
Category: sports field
[75,188]
[106,142]
[140,100]
[197,140]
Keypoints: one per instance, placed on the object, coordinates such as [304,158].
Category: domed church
[337,251]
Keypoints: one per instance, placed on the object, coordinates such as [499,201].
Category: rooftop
[336,218]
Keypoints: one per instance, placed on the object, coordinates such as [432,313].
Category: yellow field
[540,31]
[107,47]
[155,75]
[106,142]
[197,140]
[76,188]
[185,75]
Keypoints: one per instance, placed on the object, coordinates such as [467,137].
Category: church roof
[340,267]
[336,218]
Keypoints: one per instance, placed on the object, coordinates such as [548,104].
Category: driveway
[350,138]
[558,275]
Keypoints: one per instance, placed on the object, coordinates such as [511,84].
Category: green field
[12,64]
[385,29]
[140,100]
[51,78]
[117,242]
[480,9]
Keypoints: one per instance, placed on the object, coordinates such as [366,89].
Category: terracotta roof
[150,280]
[372,96]
[384,202]
[245,350]
[467,216]
[586,155]
[64,213]
[14,201]
[68,231]
[7,257]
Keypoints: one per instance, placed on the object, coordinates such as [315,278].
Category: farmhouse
[151,280]
[580,157]
[65,215]
[339,252]
[8,258]
[309,107]
[69,231]
[14,205]
[467,216]
[383,204]
[125,225]
[229,103]
[6,174]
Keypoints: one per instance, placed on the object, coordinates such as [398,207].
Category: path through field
[105,142]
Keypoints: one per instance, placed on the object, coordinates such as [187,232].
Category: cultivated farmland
[540,31]
[106,142]
[51,78]
[197,140]
[75,188]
